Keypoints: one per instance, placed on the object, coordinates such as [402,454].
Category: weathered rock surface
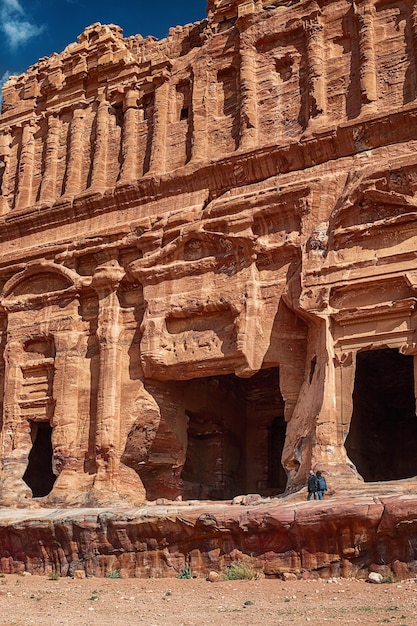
[344,536]
[207,258]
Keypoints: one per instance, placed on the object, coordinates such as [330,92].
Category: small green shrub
[114,574]
[54,576]
[388,578]
[185,573]
[240,571]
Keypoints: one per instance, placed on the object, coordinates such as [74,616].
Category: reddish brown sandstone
[208,257]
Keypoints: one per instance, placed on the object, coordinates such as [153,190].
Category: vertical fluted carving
[11,412]
[5,141]
[368,83]
[65,392]
[105,281]
[413,25]
[248,97]
[129,170]
[160,122]
[99,157]
[200,116]
[317,97]
[75,153]
[26,166]
[49,178]
[15,434]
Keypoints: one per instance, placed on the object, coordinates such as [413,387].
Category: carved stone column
[106,280]
[66,437]
[365,10]
[200,116]
[15,438]
[129,170]
[413,27]
[5,142]
[317,97]
[26,166]
[48,185]
[99,168]
[248,97]
[75,152]
[160,123]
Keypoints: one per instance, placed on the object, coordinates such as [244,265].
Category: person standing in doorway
[321,485]
[312,485]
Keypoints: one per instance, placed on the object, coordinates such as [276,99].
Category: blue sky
[31,29]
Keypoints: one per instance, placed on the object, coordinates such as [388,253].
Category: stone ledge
[341,536]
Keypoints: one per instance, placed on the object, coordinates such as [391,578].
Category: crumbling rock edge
[342,536]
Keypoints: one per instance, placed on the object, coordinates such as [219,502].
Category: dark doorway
[39,475]
[277,475]
[382,439]
[236,434]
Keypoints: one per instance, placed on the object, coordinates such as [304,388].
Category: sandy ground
[157,602]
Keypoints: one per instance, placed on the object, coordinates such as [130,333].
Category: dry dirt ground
[38,600]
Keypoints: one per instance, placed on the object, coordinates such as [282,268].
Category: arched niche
[40,279]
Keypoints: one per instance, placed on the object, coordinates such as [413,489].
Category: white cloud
[5,78]
[15,24]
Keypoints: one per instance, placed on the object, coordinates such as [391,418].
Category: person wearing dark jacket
[312,485]
[321,485]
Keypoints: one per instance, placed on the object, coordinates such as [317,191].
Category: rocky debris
[374,577]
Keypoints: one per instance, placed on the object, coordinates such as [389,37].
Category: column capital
[107,277]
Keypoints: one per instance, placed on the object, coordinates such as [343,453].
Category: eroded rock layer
[208,257]
[346,537]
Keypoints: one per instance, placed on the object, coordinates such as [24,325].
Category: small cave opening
[39,476]
[382,439]
[236,435]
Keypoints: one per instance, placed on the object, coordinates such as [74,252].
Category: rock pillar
[15,441]
[160,122]
[200,117]
[129,171]
[248,97]
[413,27]
[26,166]
[75,153]
[66,429]
[106,281]
[317,97]
[48,185]
[368,83]
[99,167]
[5,141]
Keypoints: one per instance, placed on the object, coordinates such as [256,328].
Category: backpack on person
[321,483]
[312,483]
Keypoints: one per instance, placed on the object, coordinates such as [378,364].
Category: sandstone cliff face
[207,257]
[344,537]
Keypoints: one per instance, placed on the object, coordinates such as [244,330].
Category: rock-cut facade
[208,244]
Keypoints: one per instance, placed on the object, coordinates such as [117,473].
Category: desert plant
[387,578]
[185,573]
[238,570]
[54,576]
[114,574]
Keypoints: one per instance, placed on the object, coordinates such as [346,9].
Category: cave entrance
[236,435]
[39,476]
[382,439]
